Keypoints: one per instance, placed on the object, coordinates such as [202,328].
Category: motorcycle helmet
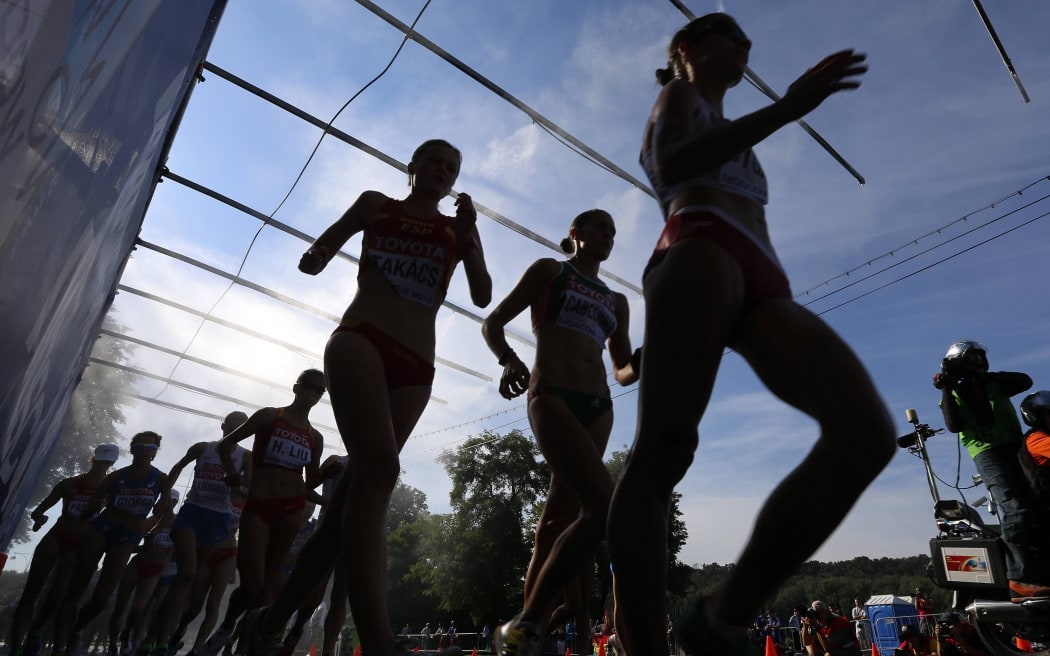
[1034,409]
[965,356]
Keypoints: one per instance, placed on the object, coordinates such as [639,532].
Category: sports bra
[742,175]
[416,256]
[572,300]
[134,496]
[286,446]
[77,499]
[209,489]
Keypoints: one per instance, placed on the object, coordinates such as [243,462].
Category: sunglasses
[143,445]
[726,28]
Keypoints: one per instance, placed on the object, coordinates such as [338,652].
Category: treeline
[837,583]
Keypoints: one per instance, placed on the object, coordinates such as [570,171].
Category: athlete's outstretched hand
[837,72]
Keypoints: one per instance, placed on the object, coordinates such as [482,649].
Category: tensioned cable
[394,163]
[1002,50]
[201,391]
[542,120]
[317,357]
[212,365]
[287,229]
[937,231]
[284,298]
[924,252]
[480,444]
[931,233]
[309,159]
[941,261]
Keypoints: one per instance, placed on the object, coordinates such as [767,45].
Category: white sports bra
[741,175]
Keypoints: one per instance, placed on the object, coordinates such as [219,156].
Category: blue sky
[938,130]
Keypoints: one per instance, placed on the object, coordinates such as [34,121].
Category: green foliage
[474,560]
[838,583]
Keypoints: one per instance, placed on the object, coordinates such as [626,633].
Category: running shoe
[32,645]
[291,640]
[697,637]
[216,643]
[176,636]
[73,648]
[517,638]
[254,640]
[1021,589]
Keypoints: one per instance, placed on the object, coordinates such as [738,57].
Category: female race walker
[57,550]
[129,495]
[284,446]
[574,315]
[380,368]
[714,282]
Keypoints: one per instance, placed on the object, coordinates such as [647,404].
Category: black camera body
[809,613]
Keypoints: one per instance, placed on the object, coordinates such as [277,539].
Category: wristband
[507,355]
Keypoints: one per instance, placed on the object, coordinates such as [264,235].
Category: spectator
[976,405]
[860,624]
[914,643]
[405,630]
[832,634]
[772,625]
[795,622]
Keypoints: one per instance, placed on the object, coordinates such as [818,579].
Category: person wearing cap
[825,633]
[915,643]
[57,550]
[957,637]
[202,523]
[976,404]
[127,497]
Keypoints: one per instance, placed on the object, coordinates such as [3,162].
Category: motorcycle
[969,558]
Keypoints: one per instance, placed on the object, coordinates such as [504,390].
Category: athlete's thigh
[692,301]
[282,536]
[569,448]
[360,399]
[252,539]
[406,407]
[805,363]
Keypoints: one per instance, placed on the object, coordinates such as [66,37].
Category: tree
[95,416]
[474,560]
[406,520]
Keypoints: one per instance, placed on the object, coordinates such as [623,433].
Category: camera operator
[915,643]
[976,405]
[956,637]
[827,634]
